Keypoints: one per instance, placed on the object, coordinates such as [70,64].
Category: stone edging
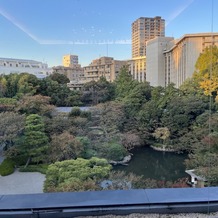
[125,160]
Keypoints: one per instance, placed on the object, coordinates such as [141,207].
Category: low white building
[11,65]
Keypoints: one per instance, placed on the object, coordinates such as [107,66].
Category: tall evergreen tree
[35,142]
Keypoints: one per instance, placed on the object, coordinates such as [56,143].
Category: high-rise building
[144,29]
[70,60]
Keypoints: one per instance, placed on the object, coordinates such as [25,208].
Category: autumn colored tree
[11,127]
[162,133]
[36,104]
[64,147]
[111,119]
[206,71]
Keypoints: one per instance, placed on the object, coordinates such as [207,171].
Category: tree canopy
[76,175]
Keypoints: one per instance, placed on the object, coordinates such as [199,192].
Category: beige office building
[144,29]
[73,70]
[73,73]
[104,66]
[137,68]
[173,61]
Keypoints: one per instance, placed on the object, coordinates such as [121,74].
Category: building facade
[11,65]
[75,73]
[173,61]
[104,66]
[144,29]
[137,68]
[155,72]
[70,60]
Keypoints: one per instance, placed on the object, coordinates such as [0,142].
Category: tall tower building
[144,29]
[70,60]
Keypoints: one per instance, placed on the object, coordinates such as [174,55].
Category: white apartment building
[104,66]
[11,65]
[173,61]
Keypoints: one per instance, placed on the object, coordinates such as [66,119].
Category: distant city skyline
[47,30]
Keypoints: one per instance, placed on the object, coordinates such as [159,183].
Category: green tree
[204,155]
[57,124]
[181,112]
[60,94]
[7,104]
[3,86]
[60,78]
[12,85]
[27,84]
[124,83]
[95,92]
[35,142]
[76,175]
[136,98]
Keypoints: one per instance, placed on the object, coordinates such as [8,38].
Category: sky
[45,30]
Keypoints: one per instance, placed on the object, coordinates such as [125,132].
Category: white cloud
[18,25]
[21,27]
[178,11]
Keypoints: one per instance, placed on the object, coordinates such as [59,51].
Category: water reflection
[156,165]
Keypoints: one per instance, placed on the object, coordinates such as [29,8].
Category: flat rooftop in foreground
[111,203]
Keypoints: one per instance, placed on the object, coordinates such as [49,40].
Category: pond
[157,165]
[68,109]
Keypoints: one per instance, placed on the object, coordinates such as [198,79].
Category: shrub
[20,160]
[41,168]
[75,112]
[116,152]
[86,114]
[6,167]
[76,175]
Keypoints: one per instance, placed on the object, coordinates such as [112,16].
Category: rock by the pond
[125,160]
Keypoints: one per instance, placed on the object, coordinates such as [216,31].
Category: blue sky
[45,30]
